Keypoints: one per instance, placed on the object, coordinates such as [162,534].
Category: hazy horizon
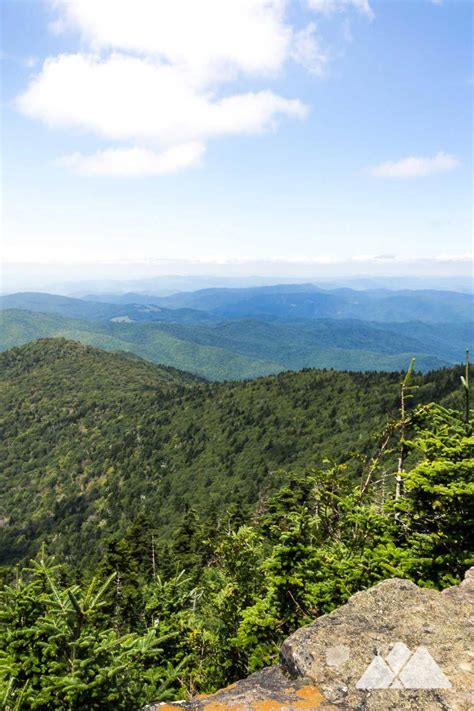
[182,275]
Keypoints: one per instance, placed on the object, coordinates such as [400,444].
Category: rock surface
[414,645]
[268,690]
[336,650]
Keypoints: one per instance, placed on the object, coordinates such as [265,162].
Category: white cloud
[209,38]
[307,51]
[329,6]
[155,74]
[416,167]
[134,162]
[130,98]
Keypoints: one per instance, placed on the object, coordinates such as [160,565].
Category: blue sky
[313,131]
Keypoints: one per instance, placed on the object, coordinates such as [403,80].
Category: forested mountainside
[151,341]
[248,348]
[91,439]
[196,525]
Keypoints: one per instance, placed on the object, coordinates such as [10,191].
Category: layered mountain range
[234,334]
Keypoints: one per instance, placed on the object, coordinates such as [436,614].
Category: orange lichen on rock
[310,696]
[268,705]
[307,697]
[268,690]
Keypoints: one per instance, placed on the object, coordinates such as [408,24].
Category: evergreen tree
[437,512]
[57,653]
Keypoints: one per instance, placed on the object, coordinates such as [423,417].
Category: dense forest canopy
[92,439]
[181,529]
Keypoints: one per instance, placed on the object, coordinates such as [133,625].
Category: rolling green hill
[90,439]
[149,341]
[330,343]
[236,334]
[97,311]
[249,348]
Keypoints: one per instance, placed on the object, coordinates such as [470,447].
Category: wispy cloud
[329,6]
[134,162]
[308,52]
[416,166]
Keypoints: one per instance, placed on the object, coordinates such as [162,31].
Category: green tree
[56,653]
[437,512]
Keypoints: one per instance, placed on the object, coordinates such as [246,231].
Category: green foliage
[57,653]
[278,501]
[91,440]
[437,511]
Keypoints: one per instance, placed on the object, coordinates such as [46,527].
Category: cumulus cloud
[134,162]
[158,75]
[210,38]
[416,167]
[129,98]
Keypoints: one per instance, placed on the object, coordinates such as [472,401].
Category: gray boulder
[394,647]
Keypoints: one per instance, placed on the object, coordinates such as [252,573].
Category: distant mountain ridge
[235,334]
[310,301]
[279,301]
